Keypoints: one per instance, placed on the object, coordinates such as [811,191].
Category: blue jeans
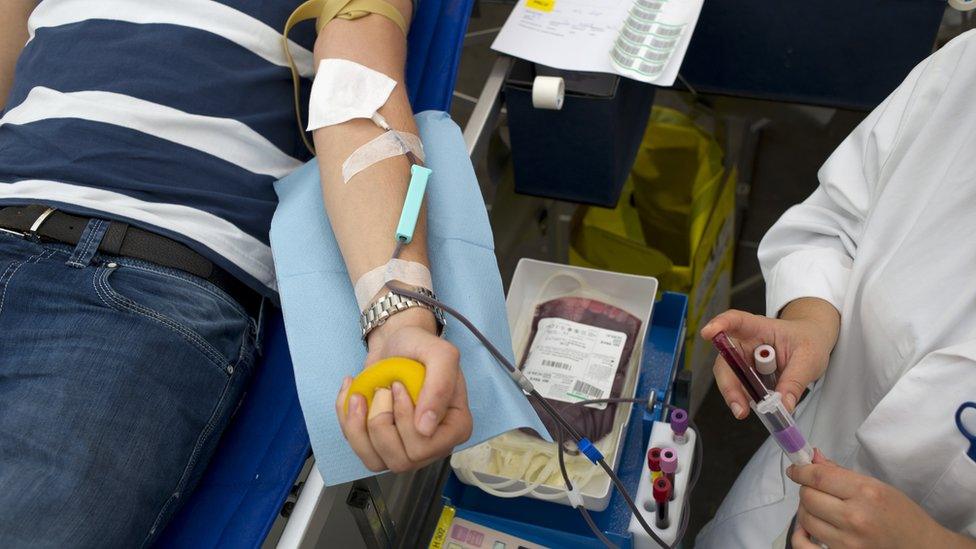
[117,377]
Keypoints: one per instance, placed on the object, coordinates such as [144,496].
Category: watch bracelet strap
[392,303]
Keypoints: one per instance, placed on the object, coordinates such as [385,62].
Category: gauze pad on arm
[344,90]
[386,145]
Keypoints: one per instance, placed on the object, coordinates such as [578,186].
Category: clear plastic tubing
[767,404]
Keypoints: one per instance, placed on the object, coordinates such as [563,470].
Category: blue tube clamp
[412,203]
[589,450]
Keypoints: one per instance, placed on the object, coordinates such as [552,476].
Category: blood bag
[578,350]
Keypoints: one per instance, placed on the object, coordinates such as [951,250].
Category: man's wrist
[419,317]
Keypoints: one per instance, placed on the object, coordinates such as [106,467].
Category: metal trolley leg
[367,506]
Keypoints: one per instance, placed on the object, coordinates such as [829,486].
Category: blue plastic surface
[262,452]
[318,306]
[555,525]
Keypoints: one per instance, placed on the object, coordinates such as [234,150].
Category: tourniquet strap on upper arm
[324,11]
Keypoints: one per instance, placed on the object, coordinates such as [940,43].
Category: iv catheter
[767,404]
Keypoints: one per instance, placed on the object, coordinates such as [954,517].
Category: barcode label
[555,364]
[586,389]
[569,361]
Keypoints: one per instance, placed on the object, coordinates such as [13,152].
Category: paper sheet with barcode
[571,362]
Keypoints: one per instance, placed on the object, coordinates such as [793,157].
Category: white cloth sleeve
[810,251]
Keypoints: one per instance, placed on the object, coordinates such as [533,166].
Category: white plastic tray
[634,294]
[661,437]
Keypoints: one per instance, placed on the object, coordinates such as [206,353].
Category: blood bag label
[570,362]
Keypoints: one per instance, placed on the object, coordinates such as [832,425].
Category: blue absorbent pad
[321,314]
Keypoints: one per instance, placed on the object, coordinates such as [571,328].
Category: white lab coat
[889,238]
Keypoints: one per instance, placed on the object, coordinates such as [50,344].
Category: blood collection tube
[767,404]
[662,494]
[782,426]
[765,357]
[669,466]
[679,426]
[654,462]
[733,356]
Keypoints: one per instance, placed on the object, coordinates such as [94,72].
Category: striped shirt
[172,115]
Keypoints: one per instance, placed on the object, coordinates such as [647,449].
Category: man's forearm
[13,35]
[365,211]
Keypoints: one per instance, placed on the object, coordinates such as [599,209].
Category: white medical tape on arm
[386,145]
[344,90]
[410,273]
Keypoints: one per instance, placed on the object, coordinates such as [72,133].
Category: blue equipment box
[556,525]
[840,53]
[583,152]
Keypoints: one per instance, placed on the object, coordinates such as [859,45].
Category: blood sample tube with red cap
[662,494]
[654,462]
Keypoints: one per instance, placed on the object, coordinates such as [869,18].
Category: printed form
[641,39]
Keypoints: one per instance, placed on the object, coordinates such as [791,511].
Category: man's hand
[394,434]
[845,510]
[803,338]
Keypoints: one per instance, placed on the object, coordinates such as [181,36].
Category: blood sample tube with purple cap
[767,404]
[679,426]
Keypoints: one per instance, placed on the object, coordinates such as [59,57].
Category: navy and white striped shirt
[174,115]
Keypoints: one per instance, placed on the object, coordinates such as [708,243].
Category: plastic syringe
[767,404]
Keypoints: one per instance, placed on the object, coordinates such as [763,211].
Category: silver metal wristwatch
[390,304]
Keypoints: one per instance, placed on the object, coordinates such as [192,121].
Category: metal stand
[365,502]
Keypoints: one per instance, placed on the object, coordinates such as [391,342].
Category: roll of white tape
[548,92]
[963,5]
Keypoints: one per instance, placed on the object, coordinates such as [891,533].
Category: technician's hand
[843,509]
[394,434]
[803,337]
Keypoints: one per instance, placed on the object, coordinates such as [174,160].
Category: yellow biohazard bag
[674,222]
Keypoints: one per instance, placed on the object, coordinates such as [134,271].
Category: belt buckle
[32,231]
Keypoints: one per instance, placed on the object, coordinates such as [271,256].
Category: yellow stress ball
[382,374]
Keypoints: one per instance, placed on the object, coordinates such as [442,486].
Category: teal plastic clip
[411,205]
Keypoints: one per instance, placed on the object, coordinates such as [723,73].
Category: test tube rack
[661,437]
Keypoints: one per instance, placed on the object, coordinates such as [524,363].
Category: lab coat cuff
[808,273]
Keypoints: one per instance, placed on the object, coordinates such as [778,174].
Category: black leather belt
[122,239]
